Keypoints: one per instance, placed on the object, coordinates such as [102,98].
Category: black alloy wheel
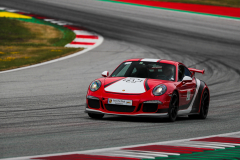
[95,116]
[173,107]
[204,105]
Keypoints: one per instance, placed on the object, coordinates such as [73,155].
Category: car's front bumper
[139,107]
[88,110]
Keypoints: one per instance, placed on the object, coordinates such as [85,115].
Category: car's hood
[130,85]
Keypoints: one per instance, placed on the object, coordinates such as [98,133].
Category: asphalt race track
[42,108]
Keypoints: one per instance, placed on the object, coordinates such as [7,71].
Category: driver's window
[181,70]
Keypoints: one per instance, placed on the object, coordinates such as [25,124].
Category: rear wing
[193,70]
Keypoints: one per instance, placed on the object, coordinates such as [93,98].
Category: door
[186,89]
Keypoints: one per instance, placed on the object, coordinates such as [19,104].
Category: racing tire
[95,116]
[173,107]
[204,107]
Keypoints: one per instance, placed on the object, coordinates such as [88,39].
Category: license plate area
[120,102]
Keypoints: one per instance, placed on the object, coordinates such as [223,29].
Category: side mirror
[187,79]
[105,74]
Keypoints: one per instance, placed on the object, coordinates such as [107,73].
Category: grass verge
[226,3]
[26,43]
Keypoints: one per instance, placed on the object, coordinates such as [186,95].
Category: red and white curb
[84,38]
[150,150]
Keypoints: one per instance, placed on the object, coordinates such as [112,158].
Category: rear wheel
[204,106]
[95,116]
[173,107]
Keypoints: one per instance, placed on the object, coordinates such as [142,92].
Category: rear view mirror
[187,79]
[105,74]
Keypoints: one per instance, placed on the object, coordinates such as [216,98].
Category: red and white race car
[149,87]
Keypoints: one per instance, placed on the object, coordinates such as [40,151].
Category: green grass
[12,31]
[26,43]
[227,3]
[33,55]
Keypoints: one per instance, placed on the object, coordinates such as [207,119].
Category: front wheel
[173,107]
[95,116]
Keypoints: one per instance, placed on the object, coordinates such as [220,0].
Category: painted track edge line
[114,148]
[59,59]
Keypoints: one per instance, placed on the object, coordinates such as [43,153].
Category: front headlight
[95,85]
[159,90]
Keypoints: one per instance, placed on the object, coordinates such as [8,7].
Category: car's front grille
[119,108]
[93,103]
[150,107]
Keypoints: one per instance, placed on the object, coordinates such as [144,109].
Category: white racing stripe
[128,85]
[149,60]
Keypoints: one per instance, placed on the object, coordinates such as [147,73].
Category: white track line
[123,152]
[196,145]
[98,151]
[12,10]
[165,154]
[77,46]
[130,155]
[208,143]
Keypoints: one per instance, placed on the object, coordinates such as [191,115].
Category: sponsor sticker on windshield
[120,101]
[127,63]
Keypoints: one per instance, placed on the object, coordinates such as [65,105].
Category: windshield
[139,69]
